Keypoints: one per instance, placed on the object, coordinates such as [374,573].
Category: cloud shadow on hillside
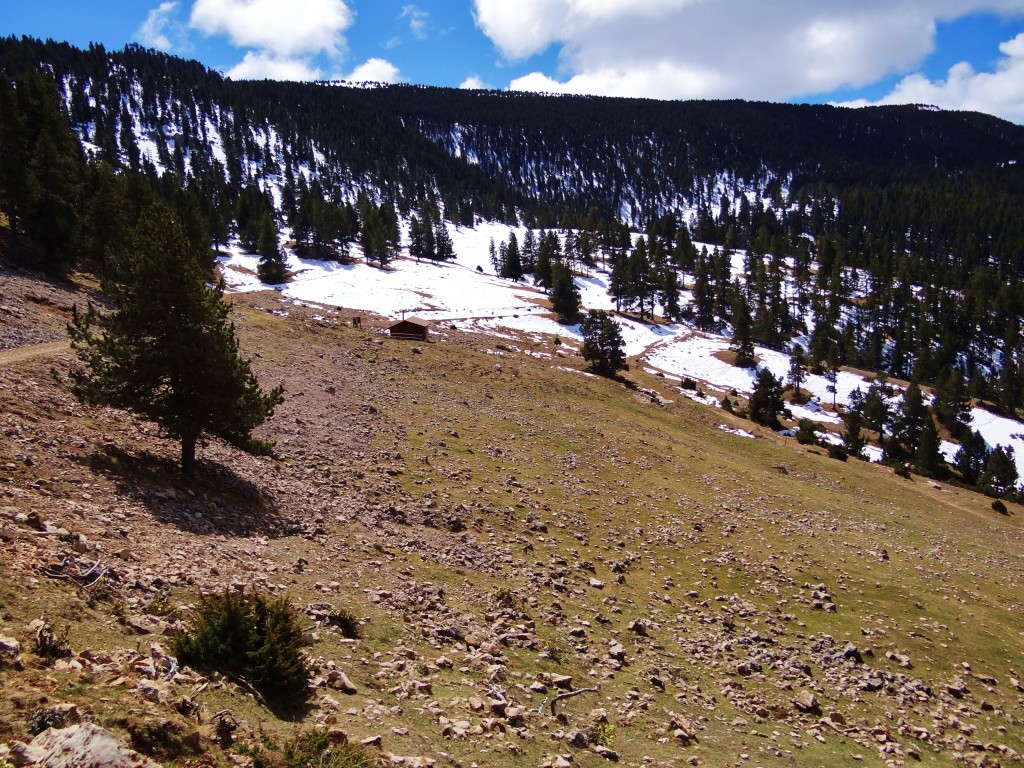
[217,502]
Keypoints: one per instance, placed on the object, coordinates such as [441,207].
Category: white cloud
[721,48]
[153,33]
[473,83]
[374,71]
[265,66]
[279,29]
[1000,92]
[418,19]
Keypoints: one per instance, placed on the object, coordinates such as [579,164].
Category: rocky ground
[548,569]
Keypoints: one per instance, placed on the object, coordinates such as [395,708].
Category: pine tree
[640,285]
[542,272]
[797,371]
[971,458]
[167,351]
[876,405]
[911,419]
[703,295]
[565,296]
[1000,476]
[416,249]
[742,342]
[603,346]
[831,373]
[670,294]
[766,400]
[444,250]
[927,458]
[529,252]
[952,406]
[495,261]
[272,267]
[512,265]
[853,424]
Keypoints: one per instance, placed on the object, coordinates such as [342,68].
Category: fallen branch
[569,695]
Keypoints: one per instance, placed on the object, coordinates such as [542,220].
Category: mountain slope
[505,532]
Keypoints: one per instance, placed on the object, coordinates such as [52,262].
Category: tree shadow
[217,501]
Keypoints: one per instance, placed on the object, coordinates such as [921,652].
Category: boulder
[805,701]
[80,745]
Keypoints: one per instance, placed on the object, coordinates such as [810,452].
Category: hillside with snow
[466,294]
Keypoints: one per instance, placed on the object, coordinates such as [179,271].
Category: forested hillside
[890,238]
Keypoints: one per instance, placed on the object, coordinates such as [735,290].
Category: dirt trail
[18,354]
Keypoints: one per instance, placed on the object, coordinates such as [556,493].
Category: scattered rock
[805,701]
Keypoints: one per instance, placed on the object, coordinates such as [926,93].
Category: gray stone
[80,745]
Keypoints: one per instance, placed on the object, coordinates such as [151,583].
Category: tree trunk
[188,456]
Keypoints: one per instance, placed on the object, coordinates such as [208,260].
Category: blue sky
[956,54]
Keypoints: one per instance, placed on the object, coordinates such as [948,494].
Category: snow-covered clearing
[468,295]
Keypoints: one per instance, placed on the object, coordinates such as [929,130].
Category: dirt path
[18,354]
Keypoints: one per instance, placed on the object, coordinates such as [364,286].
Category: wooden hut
[410,328]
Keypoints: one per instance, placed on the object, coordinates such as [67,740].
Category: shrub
[807,432]
[51,645]
[688,383]
[314,749]
[505,597]
[556,652]
[252,640]
[600,735]
[727,404]
[837,452]
[1000,507]
[48,717]
[345,621]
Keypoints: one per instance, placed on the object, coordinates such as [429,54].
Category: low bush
[315,749]
[50,644]
[344,621]
[253,640]
[837,452]
[807,432]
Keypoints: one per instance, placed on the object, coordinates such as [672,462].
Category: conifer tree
[495,261]
[797,371]
[742,342]
[640,285]
[952,406]
[971,458]
[542,272]
[876,405]
[603,346]
[416,249]
[853,424]
[444,250]
[167,351]
[669,294]
[529,252]
[766,401]
[512,265]
[927,458]
[911,419]
[1000,476]
[565,296]
[831,373]
[272,267]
